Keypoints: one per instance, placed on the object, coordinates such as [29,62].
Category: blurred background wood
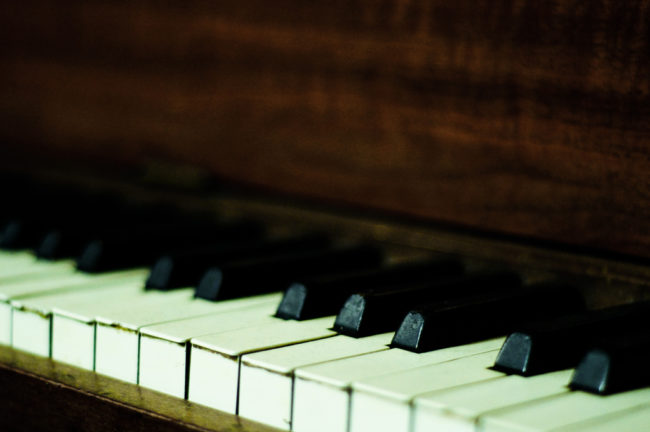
[520,117]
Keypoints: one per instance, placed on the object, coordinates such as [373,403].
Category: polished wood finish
[522,117]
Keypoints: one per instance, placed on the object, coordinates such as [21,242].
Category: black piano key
[379,311]
[271,274]
[559,343]
[141,245]
[483,316]
[186,268]
[26,232]
[21,233]
[61,243]
[325,296]
[618,363]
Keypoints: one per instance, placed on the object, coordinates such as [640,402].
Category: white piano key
[5,323]
[45,283]
[31,317]
[10,259]
[9,262]
[458,409]
[117,337]
[73,322]
[164,347]
[26,267]
[8,255]
[384,403]
[331,381]
[560,411]
[30,332]
[266,378]
[635,419]
[215,359]
[73,325]
[72,342]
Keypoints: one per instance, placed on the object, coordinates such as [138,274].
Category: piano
[482,166]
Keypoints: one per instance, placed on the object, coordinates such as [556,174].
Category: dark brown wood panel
[524,117]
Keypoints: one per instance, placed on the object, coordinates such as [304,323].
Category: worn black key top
[559,343]
[379,311]
[186,268]
[470,319]
[141,245]
[266,275]
[325,296]
[618,363]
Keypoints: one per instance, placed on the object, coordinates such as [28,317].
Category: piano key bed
[308,333]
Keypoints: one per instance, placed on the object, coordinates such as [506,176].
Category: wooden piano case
[513,131]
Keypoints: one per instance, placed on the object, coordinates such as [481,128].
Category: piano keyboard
[227,341]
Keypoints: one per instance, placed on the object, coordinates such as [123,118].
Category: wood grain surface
[523,117]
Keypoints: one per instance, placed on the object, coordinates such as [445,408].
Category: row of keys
[236,356]
[390,387]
